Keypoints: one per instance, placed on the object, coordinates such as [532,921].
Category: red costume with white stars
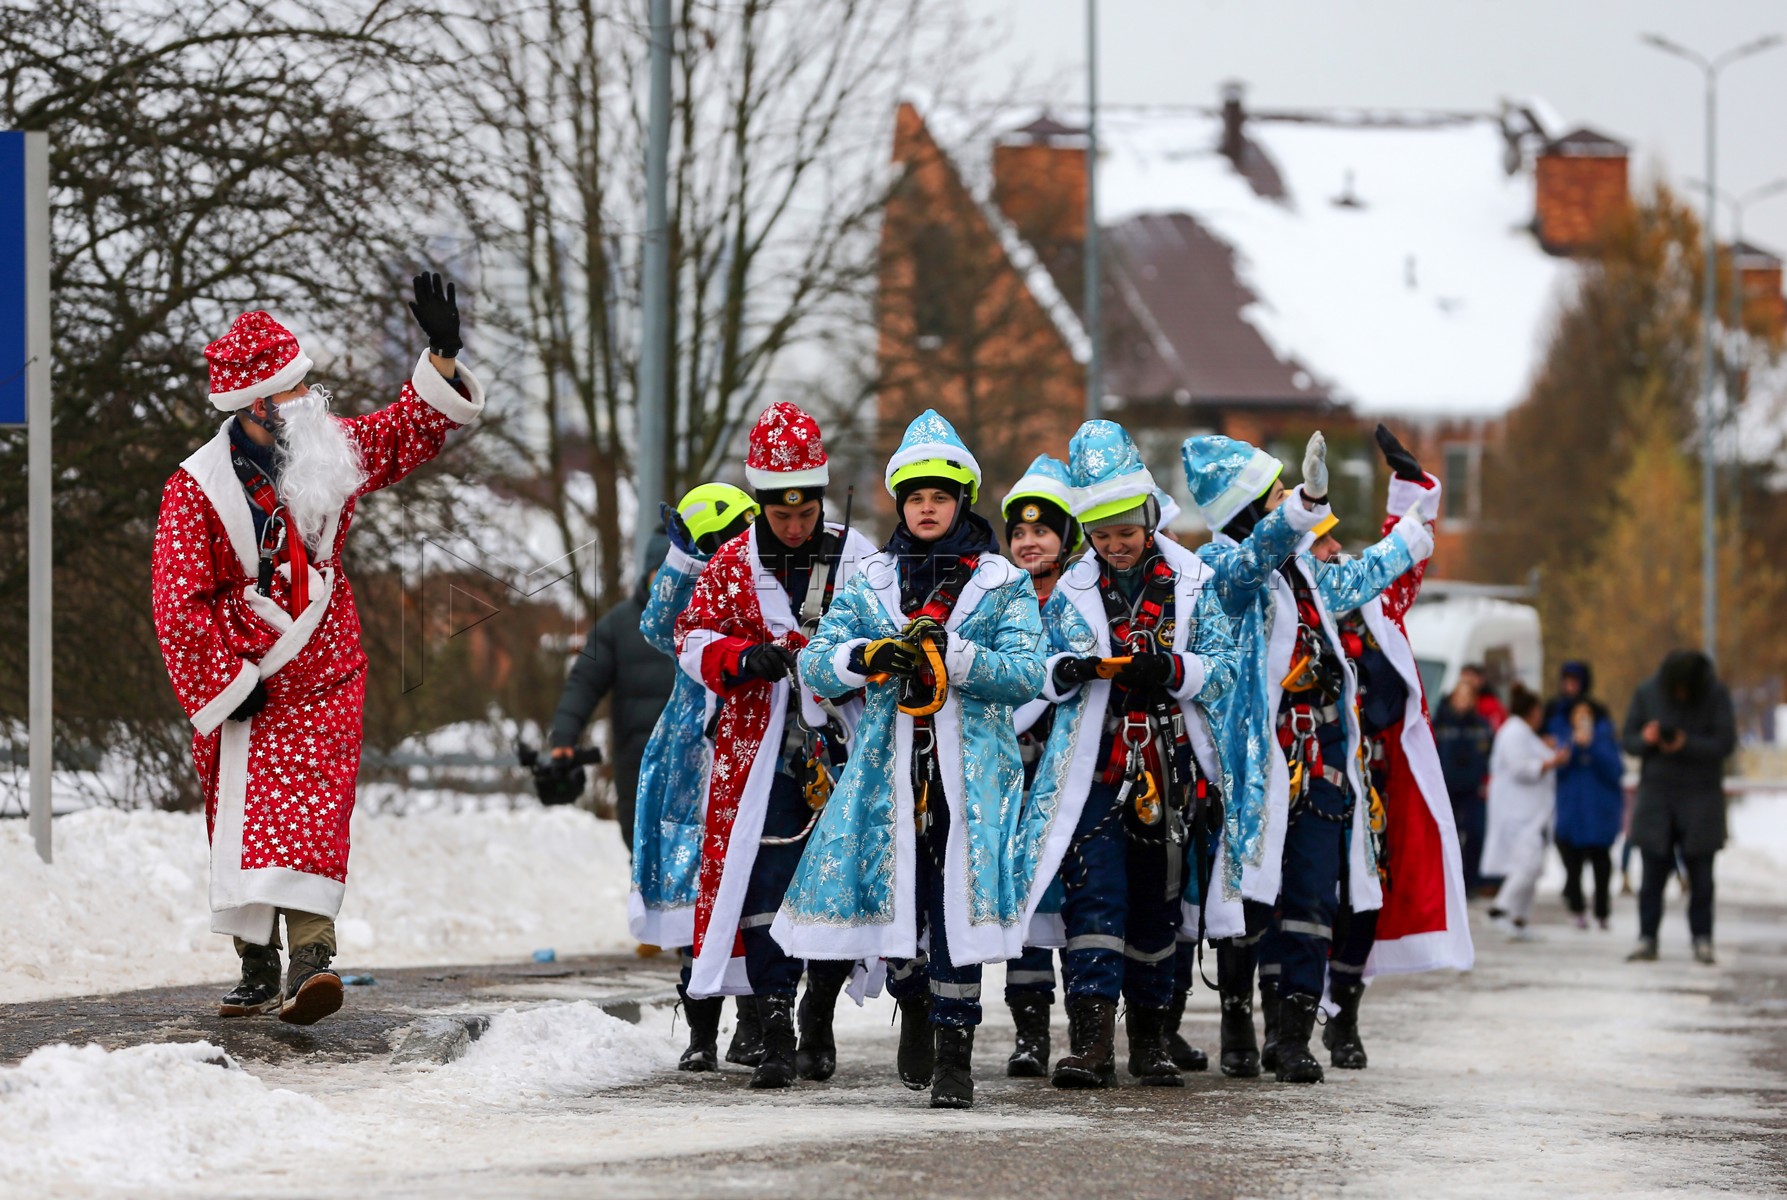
[279,786]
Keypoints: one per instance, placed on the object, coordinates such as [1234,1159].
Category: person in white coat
[1522,807]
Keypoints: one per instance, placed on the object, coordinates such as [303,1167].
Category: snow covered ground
[124,904]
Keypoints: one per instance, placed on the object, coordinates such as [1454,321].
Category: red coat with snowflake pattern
[278,787]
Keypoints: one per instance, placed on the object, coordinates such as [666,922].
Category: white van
[1449,633]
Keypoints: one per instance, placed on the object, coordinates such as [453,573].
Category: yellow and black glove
[891,657]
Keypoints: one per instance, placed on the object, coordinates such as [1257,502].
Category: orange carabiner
[1147,805]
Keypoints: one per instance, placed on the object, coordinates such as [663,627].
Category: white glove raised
[1315,467]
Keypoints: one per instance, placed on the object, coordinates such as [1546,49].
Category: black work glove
[1072,672]
[766,661]
[890,656]
[677,530]
[437,312]
[1401,461]
[1145,671]
[256,701]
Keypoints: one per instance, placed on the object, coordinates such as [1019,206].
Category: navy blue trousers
[955,990]
[1121,917]
[1295,947]
[1033,971]
[770,970]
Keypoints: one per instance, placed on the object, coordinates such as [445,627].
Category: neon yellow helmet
[931,450]
[713,513]
[938,468]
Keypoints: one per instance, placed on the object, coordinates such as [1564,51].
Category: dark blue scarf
[924,564]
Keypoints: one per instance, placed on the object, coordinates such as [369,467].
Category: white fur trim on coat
[443,397]
[1404,492]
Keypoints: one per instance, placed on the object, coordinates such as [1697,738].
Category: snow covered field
[124,904]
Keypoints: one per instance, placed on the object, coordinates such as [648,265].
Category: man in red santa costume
[261,639]
[777,747]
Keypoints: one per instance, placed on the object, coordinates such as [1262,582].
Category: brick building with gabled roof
[1264,274]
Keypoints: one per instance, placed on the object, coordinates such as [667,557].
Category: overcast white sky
[1583,56]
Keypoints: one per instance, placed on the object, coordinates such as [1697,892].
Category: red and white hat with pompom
[786,451]
[257,357]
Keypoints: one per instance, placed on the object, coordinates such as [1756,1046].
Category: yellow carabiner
[819,786]
[1296,778]
[940,685]
[1147,805]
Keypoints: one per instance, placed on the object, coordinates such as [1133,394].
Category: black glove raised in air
[1396,454]
[437,311]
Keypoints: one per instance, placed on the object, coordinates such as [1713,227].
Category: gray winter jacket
[1681,795]
[617,659]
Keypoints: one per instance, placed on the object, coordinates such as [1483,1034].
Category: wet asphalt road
[1552,1069]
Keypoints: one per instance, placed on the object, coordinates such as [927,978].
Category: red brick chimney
[1039,182]
[1759,281]
[1580,182]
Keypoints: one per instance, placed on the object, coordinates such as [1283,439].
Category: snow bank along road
[1553,1069]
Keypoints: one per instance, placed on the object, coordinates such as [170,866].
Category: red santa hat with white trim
[786,463]
[257,357]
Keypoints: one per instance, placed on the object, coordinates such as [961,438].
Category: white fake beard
[318,463]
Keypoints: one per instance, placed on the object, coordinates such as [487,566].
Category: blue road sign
[13,281]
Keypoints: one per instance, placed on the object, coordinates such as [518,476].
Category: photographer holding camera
[1680,725]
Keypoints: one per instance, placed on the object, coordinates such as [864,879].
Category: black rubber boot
[817,1057]
[1186,1056]
[1030,1057]
[1341,1034]
[258,989]
[1269,1010]
[1234,976]
[746,1047]
[313,990]
[953,1083]
[703,1017]
[1148,1057]
[917,1056]
[1296,1021]
[775,1014]
[1091,1060]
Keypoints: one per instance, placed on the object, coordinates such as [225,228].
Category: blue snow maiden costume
[673,778]
[1122,906]
[919,849]
[1276,848]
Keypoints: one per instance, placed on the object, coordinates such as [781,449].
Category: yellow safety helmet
[711,510]
[938,468]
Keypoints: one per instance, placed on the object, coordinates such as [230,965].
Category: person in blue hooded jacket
[1292,733]
[1590,798]
[1139,653]
[914,858]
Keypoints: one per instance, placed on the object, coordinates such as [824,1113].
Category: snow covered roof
[1397,269]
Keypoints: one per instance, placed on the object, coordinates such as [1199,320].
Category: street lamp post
[1738,204]
[1734,377]
[1090,303]
[1709,577]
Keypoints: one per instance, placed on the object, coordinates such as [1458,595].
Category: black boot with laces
[258,989]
